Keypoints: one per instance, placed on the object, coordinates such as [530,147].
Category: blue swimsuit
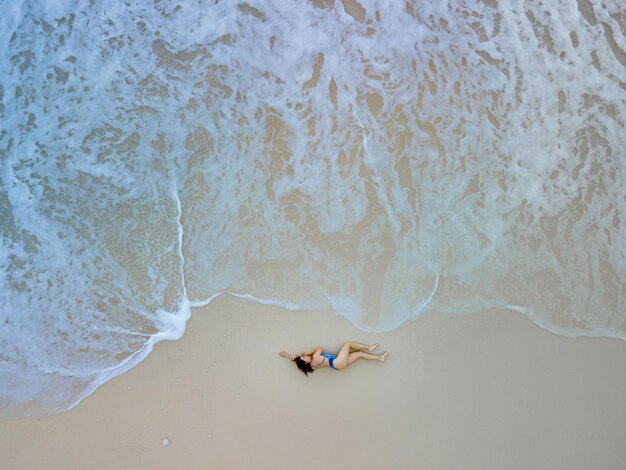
[330,358]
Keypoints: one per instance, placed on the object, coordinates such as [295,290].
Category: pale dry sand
[483,391]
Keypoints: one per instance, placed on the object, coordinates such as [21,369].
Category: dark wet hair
[305,367]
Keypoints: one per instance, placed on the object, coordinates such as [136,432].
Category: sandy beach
[483,391]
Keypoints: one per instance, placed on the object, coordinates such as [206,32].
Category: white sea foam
[377,159]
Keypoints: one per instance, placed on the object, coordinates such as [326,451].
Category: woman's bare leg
[355,356]
[363,347]
[343,359]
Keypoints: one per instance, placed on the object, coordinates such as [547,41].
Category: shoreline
[487,390]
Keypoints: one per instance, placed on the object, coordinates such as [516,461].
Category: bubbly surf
[376,158]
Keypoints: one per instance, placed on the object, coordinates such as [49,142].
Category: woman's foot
[372,347]
[382,357]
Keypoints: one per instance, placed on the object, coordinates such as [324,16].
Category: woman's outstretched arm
[312,351]
[286,355]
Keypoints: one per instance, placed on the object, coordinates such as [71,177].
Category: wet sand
[482,391]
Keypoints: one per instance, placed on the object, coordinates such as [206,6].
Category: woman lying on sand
[348,354]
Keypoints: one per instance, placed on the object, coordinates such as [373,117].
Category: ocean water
[377,158]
